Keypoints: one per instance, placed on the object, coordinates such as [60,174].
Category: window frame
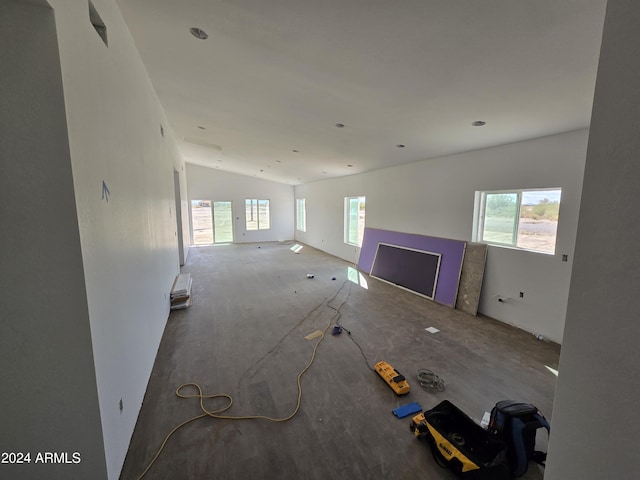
[301,214]
[479,218]
[257,214]
[347,219]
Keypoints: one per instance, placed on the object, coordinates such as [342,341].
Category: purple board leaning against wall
[452,252]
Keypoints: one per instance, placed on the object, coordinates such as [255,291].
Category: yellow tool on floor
[394,379]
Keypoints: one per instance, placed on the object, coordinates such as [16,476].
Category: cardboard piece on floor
[313,335]
[181,284]
[180,296]
[182,305]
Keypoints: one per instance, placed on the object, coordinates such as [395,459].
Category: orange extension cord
[217,413]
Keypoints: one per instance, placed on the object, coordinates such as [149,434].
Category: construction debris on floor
[181,292]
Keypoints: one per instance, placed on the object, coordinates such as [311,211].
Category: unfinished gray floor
[244,336]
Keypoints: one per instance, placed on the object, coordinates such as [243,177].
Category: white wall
[596,424]
[129,244]
[436,197]
[48,390]
[211,184]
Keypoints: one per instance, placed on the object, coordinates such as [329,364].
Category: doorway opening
[176,188]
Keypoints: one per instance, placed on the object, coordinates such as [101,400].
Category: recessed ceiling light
[478,123]
[349,165]
[201,127]
[198,33]
[295,151]
[323,172]
[400,145]
[340,125]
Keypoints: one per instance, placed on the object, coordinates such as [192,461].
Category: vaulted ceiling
[265,94]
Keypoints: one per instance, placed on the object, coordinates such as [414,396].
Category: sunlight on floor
[356,277]
[552,370]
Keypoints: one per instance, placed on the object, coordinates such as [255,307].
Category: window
[526,219]
[257,214]
[301,215]
[354,220]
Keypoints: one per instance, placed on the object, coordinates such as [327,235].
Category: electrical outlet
[521,294]
[120,405]
[565,258]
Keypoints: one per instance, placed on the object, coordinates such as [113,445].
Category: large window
[301,215]
[257,214]
[354,220]
[526,219]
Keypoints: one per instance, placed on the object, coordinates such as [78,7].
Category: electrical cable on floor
[426,378]
[341,327]
[216,413]
[429,380]
[364,356]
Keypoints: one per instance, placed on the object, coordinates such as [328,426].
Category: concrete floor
[244,336]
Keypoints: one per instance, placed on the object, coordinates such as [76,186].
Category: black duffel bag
[460,444]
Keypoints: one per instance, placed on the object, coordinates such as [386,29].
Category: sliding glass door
[222,222]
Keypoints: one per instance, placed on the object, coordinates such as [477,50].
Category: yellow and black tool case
[460,444]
